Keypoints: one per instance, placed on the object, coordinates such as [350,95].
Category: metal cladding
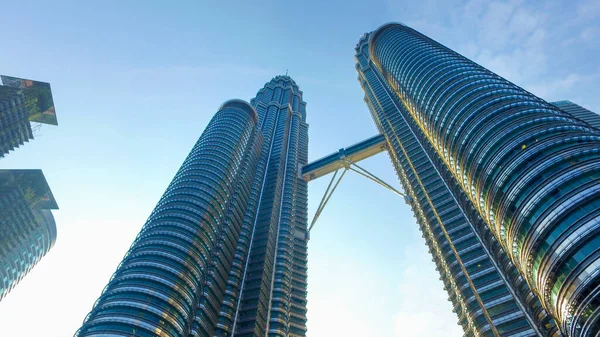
[224,251]
[530,170]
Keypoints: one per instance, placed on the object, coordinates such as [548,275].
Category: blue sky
[135,83]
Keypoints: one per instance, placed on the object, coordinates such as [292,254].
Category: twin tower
[504,186]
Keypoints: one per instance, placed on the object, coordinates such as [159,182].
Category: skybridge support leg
[334,183]
[363,172]
[328,193]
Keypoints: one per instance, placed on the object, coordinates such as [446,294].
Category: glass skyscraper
[505,186]
[22,102]
[274,284]
[27,228]
[580,112]
[224,251]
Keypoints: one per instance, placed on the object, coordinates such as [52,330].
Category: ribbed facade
[27,230]
[479,288]
[22,102]
[273,300]
[176,268]
[224,251]
[505,186]
[15,128]
[579,112]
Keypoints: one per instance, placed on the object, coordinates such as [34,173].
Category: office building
[21,103]
[505,186]
[579,112]
[27,228]
[224,251]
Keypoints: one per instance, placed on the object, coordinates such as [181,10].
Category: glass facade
[579,112]
[504,185]
[273,300]
[22,102]
[27,227]
[224,251]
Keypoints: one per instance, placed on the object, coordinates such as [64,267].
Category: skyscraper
[27,228]
[505,186]
[224,251]
[273,297]
[22,102]
[580,112]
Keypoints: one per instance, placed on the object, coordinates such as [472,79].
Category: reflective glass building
[27,227]
[273,300]
[22,102]
[505,186]
[579,112]
[224,251]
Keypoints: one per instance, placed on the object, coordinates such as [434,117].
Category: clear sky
[136,82]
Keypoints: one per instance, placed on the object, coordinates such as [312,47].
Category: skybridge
[343,160]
